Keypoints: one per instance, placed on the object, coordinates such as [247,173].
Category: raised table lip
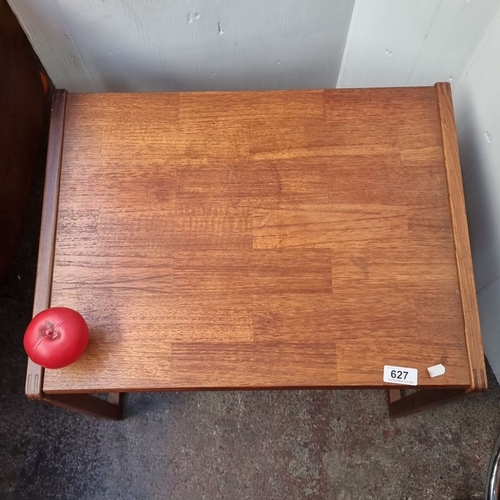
[363,90]
[121,389]
[460,229]
[34,385]
[43,284]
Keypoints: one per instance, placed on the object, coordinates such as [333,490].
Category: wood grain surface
[274,239]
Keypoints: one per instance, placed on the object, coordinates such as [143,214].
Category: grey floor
[228,445]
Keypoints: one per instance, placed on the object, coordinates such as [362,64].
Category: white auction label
[400,375]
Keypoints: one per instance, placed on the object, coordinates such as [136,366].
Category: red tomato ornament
[56,337]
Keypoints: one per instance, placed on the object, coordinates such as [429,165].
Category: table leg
[115,398]
[83,403]
[88,404]
[400,405]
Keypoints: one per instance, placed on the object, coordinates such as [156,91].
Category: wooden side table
[254,240]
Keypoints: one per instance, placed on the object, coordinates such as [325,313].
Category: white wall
[477,100]
[404,42]
[413,42]
[128,45]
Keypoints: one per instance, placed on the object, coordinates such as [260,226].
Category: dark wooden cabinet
[22,112]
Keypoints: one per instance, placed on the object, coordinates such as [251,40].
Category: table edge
[43,283]
[463,256]
[153,388]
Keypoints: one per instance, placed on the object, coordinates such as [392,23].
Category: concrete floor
[228,445]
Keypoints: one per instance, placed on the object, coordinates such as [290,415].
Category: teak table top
[260,239]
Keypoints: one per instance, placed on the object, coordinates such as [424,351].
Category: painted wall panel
[453,38]
[123,45]
[385,39]
[478,110]
[51,38]
[405,42]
